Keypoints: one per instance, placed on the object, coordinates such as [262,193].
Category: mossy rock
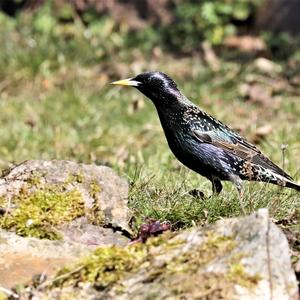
[232,259]
[41,197]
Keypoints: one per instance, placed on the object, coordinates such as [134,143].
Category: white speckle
[29,222]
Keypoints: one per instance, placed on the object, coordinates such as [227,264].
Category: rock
[104,194]
[244,258]
[74,206]
[21,258]
[82,232]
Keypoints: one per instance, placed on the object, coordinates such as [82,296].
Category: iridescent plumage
[203,143]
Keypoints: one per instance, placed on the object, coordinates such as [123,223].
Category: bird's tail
[285,182]
[293,185]
[270,176]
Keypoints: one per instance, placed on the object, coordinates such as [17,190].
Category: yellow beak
[127,82]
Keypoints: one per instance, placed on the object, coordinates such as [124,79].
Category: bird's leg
[237,181]
[197,194]
[216,186]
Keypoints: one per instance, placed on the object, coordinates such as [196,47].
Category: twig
[283,149]
[9,292]
[269,260]
[63,276]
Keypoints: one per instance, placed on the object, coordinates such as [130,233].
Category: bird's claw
[197,194]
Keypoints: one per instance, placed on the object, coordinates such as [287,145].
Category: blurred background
[238,59]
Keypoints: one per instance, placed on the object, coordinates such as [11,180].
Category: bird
[201,142]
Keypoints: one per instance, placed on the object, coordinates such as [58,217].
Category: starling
[203,143]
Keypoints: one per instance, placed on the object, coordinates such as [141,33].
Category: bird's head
[157,86]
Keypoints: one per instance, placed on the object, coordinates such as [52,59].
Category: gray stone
[81,231]
[261,255]
[242,258]
[21,258]
[111,198]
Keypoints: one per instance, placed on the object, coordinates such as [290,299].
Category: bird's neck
[170,113]
[171,116]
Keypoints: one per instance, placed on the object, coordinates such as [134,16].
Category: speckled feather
[203,143]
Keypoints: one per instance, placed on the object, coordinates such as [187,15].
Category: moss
[95,214]
[38,213]
[108,267]
[3,202]
[201,286]
[35,179]
[95,189]
[75,177]
[103,267]
[213,285]
[186,269]
[213,247]
[238,275]
[164,239]
[79,177]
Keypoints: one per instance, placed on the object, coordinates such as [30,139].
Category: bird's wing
[238,146]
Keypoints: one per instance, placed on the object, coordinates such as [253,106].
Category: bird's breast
[181,144]
[176,131]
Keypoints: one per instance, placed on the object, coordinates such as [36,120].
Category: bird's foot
[197,194]
[200,195]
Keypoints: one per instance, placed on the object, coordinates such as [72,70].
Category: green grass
[56,103]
